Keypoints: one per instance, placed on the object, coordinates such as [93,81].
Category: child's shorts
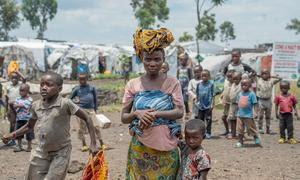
[233,111]
[29,135]
[49,165]
[264,103]
[226,109]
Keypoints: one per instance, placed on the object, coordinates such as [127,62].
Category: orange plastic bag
[96,168]
[12,67]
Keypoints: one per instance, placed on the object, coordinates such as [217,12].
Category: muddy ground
[270,162]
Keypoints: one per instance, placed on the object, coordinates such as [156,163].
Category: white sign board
[286,60]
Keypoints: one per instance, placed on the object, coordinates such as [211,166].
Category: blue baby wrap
[159,101]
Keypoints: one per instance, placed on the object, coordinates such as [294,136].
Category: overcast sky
[112,21]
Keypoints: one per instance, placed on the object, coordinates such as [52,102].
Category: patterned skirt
[145,163]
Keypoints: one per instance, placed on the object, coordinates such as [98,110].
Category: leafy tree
[206,19]
[9,18]
[38,13]
[294,25]
[206,29]
[186,37]
[148,11]
[227,32]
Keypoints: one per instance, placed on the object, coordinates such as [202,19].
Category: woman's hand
[146,117]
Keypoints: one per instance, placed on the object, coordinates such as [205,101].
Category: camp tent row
[40,56]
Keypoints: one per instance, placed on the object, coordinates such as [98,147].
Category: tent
[36,47]
[24,57]
[70,58]
[216,64]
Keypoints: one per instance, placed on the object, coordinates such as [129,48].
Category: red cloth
[285,103]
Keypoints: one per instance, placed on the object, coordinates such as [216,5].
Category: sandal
[84,148]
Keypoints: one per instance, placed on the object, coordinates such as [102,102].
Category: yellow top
[12,67]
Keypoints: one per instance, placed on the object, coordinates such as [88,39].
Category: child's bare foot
[28,149]
[18,149]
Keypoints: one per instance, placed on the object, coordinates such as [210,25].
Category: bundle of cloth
[96,168]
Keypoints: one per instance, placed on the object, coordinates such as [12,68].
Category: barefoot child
[184,75]
[265,83]
[11,92]
[22,106]
[246,101]
[205,100]
[285,104]
[226,100]
[50,159]
[192,89]
[234,91]
[87,95]
[195,162]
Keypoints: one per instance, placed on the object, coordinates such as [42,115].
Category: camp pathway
[272,162]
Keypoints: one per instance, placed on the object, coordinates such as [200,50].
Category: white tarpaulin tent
[216,64]
[37,49]
[22,55]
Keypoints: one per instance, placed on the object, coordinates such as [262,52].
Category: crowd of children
[247,96]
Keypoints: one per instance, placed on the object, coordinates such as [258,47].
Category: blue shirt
[87,96]
[23,112]
[205,93]
[246,101]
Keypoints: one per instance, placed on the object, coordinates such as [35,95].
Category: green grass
[115,76]
[113,85]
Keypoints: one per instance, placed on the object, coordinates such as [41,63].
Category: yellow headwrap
[149,40]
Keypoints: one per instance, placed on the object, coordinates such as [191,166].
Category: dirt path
[272,162]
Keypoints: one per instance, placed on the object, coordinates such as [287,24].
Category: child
[184,75]
[234,91]
[192,88]
[22,106]
[226,99]
[11,92]
[265,83]
[195,162]
[52,114]
[237,65]
[165,67]
[287,104]
[126,72]
[205,100]
[246,100]
[87,95]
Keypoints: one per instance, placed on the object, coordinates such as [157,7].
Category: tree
[206,19]
[294,25]
[206,29]
[185,37]
[227,32]
[148,11]
[38,13]
[9,18]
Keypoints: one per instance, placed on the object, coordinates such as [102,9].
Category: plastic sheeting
[36,47]
[23,56]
